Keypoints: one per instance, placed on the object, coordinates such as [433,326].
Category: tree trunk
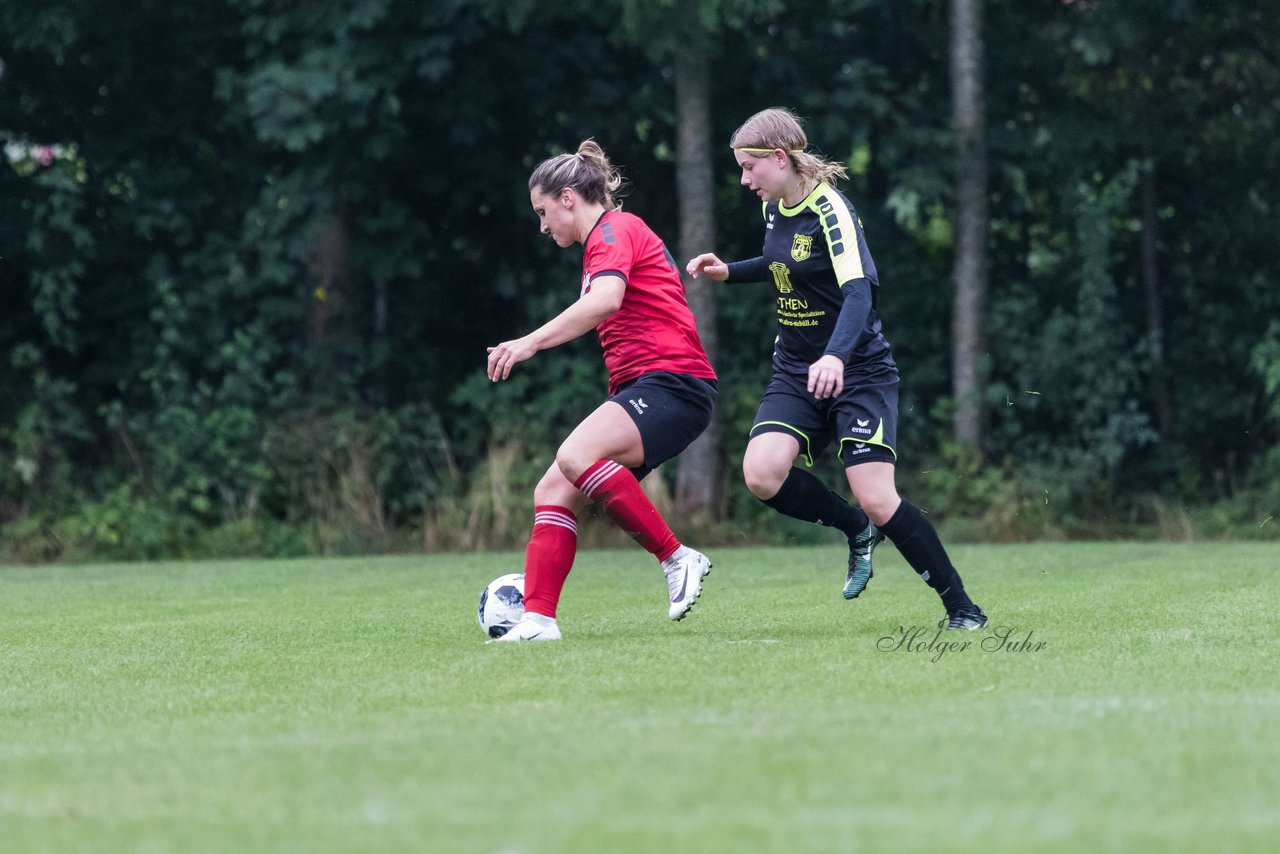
[327,268]
[968,334]
[1154,300]
[696,482]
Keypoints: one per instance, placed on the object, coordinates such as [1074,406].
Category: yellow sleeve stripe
[842,237]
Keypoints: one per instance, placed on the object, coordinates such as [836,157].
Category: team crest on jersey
[800,246]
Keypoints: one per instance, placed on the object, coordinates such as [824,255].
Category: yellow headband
[768,150]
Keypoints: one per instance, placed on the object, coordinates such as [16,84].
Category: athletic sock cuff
[903,523]
[785,494]
[805,497]
[551,514]
[595,475]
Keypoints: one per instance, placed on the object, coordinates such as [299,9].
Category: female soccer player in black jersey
[833,374]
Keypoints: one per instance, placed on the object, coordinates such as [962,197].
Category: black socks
[803,496]
[917,540]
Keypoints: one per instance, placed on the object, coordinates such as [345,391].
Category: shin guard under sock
[618,493]
[548,558]
[918,541]
[803,496]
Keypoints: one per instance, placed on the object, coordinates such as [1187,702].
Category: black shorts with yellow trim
[670,410]
[863,419]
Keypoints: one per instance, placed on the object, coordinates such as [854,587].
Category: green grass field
[351,705]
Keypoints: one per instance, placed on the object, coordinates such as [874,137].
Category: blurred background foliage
[252,252]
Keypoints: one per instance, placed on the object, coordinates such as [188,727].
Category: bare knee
[571,465]
[879,505]
[575,456]
[873,487]
[555,490]
[764,478]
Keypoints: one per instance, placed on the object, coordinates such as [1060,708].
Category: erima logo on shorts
[861,448]
[638,405]
[863,427]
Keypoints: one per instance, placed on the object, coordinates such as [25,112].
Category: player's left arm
[826,376]
[593,308]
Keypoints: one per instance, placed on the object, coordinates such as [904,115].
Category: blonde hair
[587,172]
[778,127]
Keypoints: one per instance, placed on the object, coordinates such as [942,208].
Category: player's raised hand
[826,377]
[506,355]
[711,265]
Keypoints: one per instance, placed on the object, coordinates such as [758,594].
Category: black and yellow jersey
[817,258]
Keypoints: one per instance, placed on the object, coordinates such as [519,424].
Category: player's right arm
[593,308]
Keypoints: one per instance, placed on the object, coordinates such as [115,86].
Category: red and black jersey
[654,329]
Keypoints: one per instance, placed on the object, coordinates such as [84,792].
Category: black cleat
[968,618]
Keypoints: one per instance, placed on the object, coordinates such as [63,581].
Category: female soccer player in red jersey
[833,374]
[661,385]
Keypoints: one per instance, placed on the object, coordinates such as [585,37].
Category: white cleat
[532,627]
[685,570]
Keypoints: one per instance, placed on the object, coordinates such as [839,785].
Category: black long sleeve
[852,319]
[751,270]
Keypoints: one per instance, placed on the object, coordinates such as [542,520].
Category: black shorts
[671,410]
[864,418]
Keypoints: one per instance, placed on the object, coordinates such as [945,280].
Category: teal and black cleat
[860,549]
[967,618]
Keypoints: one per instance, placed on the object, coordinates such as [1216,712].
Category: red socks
[548,558]
[617,491]
[554,542]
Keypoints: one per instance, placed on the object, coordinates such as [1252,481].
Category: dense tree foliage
[251,254]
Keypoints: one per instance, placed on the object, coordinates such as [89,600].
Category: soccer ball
[501,604]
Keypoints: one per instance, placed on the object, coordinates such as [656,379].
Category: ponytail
[587,172]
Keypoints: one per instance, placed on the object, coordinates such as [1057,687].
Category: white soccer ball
[501,604]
